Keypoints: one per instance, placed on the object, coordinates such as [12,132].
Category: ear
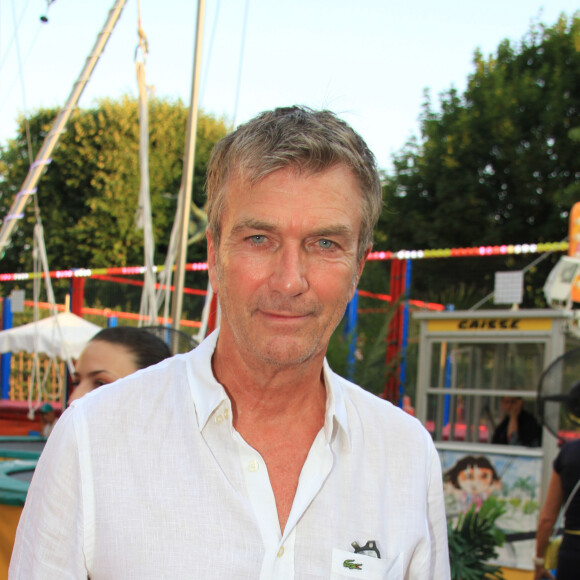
[363,261]
[211,262]
[360,267]
[359,270]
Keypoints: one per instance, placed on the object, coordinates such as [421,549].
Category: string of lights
[473,252]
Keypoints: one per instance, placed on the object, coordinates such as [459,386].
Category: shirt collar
[336,418]
[209,394]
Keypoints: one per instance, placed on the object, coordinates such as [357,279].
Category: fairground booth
[470,364]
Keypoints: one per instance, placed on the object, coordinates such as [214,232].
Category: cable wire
[241,61]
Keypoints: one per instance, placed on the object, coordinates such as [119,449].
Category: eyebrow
[332,230]
[93,373]
[253,224]
[336,230]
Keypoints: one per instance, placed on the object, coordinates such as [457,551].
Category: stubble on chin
[278,351]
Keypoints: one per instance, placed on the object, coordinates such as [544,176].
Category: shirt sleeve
[49,538]
[437,521]
[557,465]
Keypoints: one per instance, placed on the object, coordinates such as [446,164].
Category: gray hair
[298,137]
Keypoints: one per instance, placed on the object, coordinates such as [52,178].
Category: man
[257,460]
[48,419]
[518,427]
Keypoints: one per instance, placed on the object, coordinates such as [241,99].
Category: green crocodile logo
[352,565]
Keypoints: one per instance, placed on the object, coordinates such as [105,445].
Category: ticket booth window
[468,380]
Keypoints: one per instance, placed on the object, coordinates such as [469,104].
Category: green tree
[498,164]
[88,195]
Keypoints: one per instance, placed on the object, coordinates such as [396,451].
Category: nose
[289,272]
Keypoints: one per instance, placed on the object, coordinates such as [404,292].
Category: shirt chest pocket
[350,565]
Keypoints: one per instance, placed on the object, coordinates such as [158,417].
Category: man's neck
[278,411]
[260,391]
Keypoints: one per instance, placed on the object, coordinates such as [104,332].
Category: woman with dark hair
[114,353]
[562,491]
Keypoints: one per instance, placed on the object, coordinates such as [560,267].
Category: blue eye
[325,244]
[258,239]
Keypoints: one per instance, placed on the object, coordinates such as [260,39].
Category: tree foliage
[88,195]
[368,367]
[498,164]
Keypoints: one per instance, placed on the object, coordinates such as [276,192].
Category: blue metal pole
[447,398]
[351,316]
[6,357]
[405,337]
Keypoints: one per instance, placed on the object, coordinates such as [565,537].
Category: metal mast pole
[38,167]
[187,178]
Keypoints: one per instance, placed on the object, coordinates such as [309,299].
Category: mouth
[283,316]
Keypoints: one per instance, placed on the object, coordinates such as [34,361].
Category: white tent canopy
[44,336]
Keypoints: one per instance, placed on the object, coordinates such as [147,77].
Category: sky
[369,61]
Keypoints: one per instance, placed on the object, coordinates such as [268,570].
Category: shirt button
[253,465]
[227,413]
[219,418]
[280,552]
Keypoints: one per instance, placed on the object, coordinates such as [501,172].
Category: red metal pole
[397,288]
[212,318]
[78,296]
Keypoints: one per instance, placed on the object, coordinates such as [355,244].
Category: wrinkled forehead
[243,176]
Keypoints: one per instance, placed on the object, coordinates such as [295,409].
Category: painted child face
[475,480]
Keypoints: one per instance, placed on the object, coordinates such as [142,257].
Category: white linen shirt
[148,479]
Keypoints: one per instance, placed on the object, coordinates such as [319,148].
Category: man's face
[287,263]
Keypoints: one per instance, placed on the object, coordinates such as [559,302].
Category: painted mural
[470,478]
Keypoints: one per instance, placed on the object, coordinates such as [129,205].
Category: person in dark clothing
[565,476]
[518,426]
